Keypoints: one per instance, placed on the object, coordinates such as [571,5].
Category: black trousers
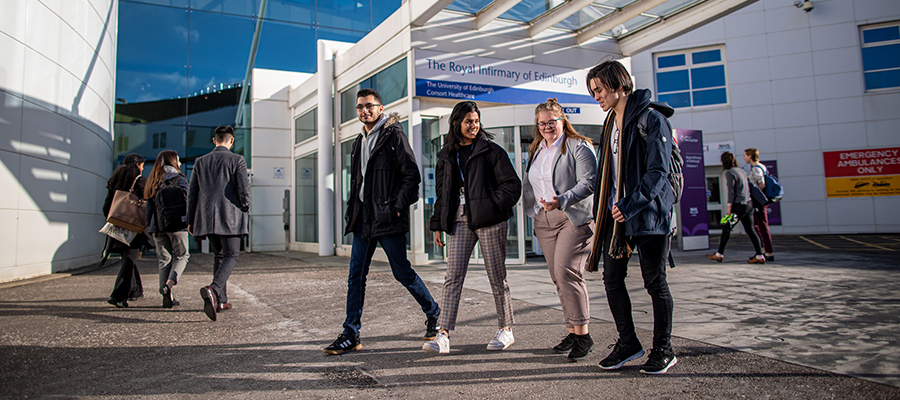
[128,281]
[226,249]
[654,252]
[745,215]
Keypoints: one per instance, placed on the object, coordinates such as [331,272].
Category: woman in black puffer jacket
[477,188]
[128,282]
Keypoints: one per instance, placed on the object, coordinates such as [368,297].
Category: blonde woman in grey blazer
[558,194]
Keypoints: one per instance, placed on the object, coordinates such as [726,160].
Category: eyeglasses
[367,106]
[549,124]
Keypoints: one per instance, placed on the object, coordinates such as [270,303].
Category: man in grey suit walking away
[218,203]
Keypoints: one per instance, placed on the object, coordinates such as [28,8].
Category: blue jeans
[360,259]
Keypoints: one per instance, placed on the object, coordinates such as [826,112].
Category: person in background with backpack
[633,202]
[166,195]
[739,209]
[559,195]
[756,171]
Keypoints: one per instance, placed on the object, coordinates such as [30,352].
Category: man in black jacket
[384,182]
[633,202]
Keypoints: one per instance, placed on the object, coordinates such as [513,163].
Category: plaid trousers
[459,248]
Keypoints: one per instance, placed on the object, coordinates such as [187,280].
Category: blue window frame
[691,78]
[881,55]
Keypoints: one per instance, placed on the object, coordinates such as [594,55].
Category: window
[305,125]
[391,84]
[691,78]
[881,55]
[306,193]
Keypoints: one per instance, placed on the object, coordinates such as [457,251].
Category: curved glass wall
[181,63]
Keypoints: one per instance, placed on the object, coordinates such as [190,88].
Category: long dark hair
[165,157]
[125,173]
[728,161]
[454,136]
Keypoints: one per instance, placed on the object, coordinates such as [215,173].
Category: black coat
[492,187]
[392,184]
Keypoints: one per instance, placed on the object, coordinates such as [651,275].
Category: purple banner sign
[694,216]
[774,209]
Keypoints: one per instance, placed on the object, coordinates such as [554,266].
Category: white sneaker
[440,344]
[502,340]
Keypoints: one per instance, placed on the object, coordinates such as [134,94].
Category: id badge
[462,196]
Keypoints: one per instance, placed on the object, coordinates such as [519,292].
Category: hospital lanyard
[462,188]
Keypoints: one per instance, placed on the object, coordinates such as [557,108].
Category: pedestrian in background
[558,194]
[126,177]
[217,209]
[739,209]
[384,182]
[633,208]
[477,188]
[166,195]
[756,171]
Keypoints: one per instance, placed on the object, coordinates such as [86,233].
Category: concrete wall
[272,141]
[57,98]
[795,88]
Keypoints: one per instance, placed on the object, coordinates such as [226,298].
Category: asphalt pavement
[817,323]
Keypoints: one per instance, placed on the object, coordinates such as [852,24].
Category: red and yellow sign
[860,173]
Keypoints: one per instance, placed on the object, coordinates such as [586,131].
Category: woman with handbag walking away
[126,177]
[166,195]
[739,209]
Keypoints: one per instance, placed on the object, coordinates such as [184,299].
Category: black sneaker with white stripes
[659,362]
[343,344]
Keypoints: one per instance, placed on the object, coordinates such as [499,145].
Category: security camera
[806,5]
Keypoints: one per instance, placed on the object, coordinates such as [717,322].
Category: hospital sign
[860,173]
[464,77]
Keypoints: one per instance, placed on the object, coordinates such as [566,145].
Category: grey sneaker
[502,340]
[440,344]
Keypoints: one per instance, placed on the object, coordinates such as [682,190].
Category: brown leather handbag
[128,210]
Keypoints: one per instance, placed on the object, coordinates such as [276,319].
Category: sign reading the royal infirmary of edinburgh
[463,77]
[860,173]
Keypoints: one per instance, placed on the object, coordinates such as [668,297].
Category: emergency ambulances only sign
[859,173]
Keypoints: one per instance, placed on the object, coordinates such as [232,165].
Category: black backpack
[676,178]
[171,206]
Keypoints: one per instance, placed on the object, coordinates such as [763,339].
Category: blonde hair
[552,106]
[753,154]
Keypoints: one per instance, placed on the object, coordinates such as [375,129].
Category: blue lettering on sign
[572,110]
[492,93]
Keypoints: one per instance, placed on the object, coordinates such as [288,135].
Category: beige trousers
[566,248]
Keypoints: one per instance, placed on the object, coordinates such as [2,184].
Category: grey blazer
[219,194]
[573,180]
